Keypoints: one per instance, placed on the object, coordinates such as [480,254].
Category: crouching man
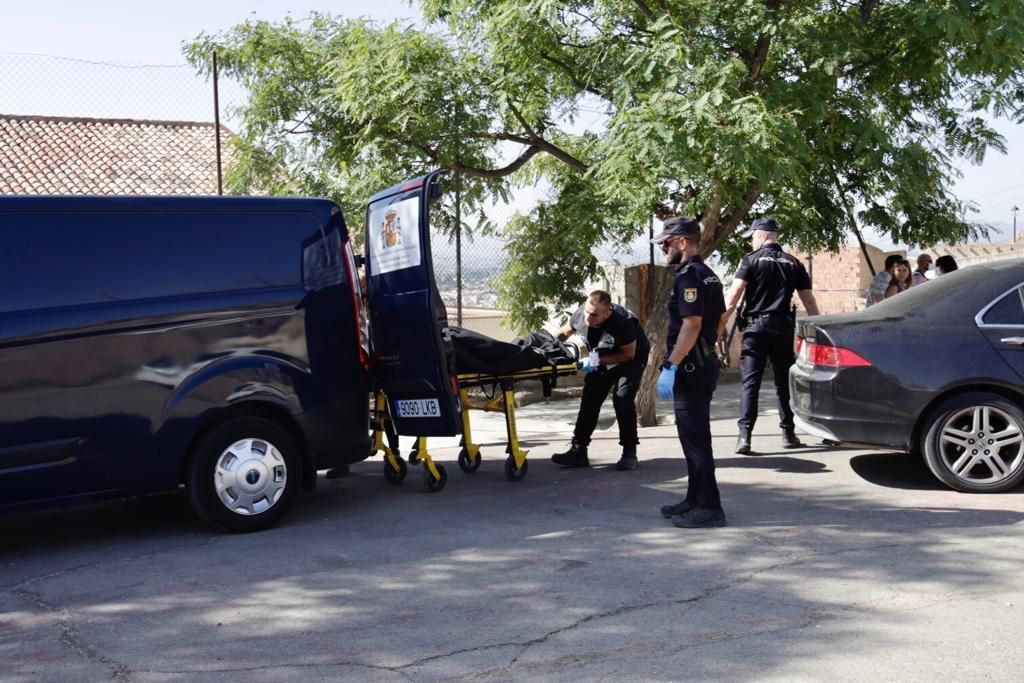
[619,352]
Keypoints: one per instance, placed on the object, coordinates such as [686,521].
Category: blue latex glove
[587,366]
[666,380]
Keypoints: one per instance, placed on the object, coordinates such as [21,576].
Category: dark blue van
[148,343]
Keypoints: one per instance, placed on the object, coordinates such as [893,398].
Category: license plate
[419,407]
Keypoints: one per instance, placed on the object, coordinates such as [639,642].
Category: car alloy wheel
[976,443]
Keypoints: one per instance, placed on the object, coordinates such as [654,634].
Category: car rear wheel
[975,442]
[243,475]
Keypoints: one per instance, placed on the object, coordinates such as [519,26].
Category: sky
[148,32]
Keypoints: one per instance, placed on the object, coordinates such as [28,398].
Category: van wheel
[975,442]
[243,475]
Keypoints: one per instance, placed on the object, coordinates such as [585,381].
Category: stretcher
[434,475]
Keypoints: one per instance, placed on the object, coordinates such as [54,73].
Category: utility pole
[1014,211]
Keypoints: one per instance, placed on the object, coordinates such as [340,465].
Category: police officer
[690,371]
[766,279]
[620,352]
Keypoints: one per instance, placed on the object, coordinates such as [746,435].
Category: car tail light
[829,356]
[358,307]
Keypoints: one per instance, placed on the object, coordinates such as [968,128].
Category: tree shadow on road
[566,571]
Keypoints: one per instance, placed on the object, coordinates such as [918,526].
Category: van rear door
[414,359]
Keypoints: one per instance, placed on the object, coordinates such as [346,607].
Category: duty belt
[778,319]
[700,351]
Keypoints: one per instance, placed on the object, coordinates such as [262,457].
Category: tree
[825,114]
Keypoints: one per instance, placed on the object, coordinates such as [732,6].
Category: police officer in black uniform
[621,350]
[690,371]
[766,279]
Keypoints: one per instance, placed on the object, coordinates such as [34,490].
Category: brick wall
[840,280]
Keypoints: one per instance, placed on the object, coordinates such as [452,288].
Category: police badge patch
[690,295]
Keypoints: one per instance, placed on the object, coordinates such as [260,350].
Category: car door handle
[1019,341]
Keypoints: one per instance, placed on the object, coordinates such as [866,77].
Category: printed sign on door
[395,236]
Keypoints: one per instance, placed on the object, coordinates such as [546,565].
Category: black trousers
[625,380]
[764,341]
[691,396]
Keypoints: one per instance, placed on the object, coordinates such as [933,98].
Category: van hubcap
[982,444]
[250,476]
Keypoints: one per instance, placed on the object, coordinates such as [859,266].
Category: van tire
[243,475]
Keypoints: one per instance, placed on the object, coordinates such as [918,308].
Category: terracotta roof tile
[60,155]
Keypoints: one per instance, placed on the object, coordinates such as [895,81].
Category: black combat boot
[789,439]
[576,456]
[680,508]
[700,518]
[743,442]
[628,461]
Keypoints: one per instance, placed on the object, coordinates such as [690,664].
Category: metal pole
[458,239]
[216,124]
[650,236]
[1014,211]
[649,304]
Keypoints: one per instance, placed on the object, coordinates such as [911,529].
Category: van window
[66,259]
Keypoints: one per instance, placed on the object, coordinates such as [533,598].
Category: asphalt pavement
[843,564]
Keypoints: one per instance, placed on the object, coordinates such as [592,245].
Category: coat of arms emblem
[391,232]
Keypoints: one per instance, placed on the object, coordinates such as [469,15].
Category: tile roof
[63,155]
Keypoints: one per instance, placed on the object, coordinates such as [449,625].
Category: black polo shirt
[772,276]
[620,329]
[696,291]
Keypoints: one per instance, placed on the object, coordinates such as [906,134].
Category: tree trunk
[657,328]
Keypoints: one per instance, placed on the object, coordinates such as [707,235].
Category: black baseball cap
[678,226]
[766,224]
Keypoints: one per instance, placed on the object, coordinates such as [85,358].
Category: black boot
[576,456]
[789,439]
[680,508]
[628,460]
[743,442]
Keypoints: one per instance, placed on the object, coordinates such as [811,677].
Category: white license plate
[420,407]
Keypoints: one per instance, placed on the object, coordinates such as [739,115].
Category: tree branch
[644,9]
[718,226]
[572,75]
[866,7]
[760,56]
[541,144]
[561,155]
[518,163]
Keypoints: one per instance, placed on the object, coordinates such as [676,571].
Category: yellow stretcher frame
[434,475]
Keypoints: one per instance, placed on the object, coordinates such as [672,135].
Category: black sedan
[938,368]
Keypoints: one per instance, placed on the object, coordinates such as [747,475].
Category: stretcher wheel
[511,472]
[468,466]
[395,476]
[414,457]
[431,484]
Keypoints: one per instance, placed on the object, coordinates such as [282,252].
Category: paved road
[845,564]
